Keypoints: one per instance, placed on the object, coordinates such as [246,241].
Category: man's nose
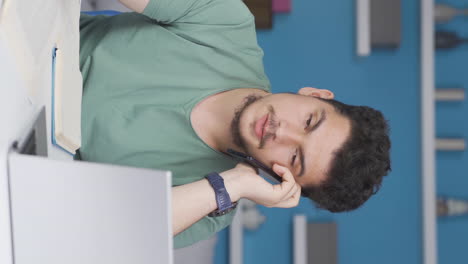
[288,133]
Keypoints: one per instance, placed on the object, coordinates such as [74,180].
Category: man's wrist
[232,185]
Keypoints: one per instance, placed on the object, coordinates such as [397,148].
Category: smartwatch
[223,200]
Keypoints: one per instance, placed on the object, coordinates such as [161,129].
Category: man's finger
[293,201]
[281,191]
[292,191]
[283,172]
[288,180]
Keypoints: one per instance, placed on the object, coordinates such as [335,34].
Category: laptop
[79,212]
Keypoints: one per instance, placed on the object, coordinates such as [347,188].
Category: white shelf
[300,239]
[429,217]
[363,46]
[236,237]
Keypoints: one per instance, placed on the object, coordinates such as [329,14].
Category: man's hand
[193,201]
[243,182]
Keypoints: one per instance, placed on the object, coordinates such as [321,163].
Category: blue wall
[314,45]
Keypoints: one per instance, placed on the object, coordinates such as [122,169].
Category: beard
[237,138]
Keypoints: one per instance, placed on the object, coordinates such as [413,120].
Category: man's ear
[311,91]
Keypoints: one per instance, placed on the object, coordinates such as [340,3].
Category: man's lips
[260,126]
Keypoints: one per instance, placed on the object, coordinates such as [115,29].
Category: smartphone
[242,157]
[254,163]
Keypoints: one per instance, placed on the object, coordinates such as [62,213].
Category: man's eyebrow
[323,117]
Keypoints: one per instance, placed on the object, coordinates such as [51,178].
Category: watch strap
[223,200]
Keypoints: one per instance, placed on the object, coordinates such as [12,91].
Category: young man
[177,83]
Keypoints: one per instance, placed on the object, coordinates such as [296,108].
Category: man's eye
[293,158]
[308,121]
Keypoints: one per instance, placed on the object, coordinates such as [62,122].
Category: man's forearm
[191,202]
[135,5]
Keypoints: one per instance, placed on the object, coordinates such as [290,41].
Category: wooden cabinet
[263,12]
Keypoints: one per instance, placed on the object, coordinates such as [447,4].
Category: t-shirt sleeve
[203,229]
[210,12]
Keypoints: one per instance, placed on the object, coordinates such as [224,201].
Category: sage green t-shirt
[143,74]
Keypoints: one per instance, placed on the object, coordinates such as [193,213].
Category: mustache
[270,127]
[237,138]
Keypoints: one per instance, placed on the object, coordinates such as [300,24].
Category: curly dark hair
[357,169]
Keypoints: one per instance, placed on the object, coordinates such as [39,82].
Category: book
[65,110]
